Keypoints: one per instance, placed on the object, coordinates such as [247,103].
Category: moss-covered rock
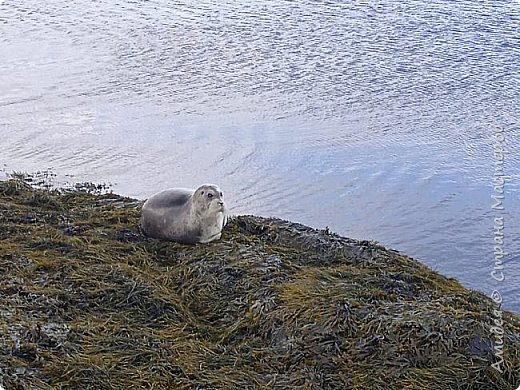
[87,302]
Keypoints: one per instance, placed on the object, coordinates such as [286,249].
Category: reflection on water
[371,117]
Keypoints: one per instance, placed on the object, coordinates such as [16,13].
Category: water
[374,118]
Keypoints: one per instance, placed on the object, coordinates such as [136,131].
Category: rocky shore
[87,302]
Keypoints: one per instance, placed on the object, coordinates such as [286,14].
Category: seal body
[184,215]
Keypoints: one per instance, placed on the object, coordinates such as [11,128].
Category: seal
[185,215]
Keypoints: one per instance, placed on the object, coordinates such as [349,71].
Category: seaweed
[86,301]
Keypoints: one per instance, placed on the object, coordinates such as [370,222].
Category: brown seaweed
[87,302]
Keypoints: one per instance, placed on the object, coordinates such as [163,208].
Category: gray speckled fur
[185,215]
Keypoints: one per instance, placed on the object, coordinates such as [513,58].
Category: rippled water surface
[375,118]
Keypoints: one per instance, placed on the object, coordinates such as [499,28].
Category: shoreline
[86,299]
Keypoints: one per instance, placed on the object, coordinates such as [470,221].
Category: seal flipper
[192,236]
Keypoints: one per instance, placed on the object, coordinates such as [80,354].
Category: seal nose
[221,203]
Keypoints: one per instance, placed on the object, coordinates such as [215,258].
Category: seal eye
[210,195]
[221,194]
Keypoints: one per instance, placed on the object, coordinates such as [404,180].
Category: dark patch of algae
[86,302]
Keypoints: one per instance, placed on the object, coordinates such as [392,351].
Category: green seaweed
[87,302]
